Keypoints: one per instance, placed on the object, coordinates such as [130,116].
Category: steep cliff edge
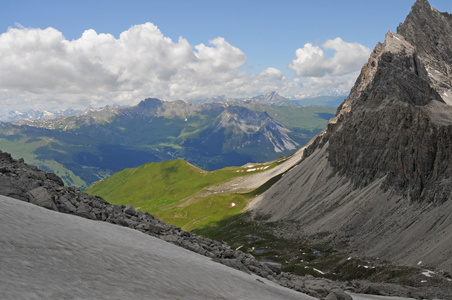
[379,176]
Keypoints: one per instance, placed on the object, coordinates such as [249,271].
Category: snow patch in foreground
[372,297]
[50,255]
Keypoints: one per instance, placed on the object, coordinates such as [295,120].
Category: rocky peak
[420,52]
[245,119]
[245,126]
[429,30]
[149,106]
[273,98]
[431,33]
[389,125]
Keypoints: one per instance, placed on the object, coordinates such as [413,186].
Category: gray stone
[85,210]
[234,263]
[10,190]
[130,210]
[120,221]
[170,238]
[55,178]
[337,294]
[140,227]
[67,206]
[41,197]
[154,228]
[229,253]
[274,267]
[117,209]
[83,207]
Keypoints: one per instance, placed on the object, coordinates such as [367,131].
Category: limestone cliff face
[379,177]
[389,125]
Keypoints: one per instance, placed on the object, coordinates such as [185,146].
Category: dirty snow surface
[50,255]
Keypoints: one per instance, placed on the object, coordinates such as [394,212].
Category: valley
[255,197]
[90,147]
[216,209]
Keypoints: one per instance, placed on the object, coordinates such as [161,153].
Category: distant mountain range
[38,114]
[273,98]
[91,146]
[30,115]
[270,98]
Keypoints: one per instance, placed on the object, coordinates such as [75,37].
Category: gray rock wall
[397,121]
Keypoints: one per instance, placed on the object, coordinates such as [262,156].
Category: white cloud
[310,61]
[41,69]
[329,84]
[98,69]
[313,62]
[320,74]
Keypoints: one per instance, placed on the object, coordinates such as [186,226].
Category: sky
[61,54]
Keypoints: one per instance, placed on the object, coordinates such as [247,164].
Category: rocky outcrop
[27,183]
[388,124]
[378,178]
[430,31]
[273,98]
[238,127]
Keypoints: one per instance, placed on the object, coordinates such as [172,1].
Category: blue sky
[259,38]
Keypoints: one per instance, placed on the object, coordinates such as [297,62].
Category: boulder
[130,210]
[274,267]
[41,197]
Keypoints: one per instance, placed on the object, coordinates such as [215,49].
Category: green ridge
[169,190]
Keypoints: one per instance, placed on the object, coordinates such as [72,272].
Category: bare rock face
[431,32]
[389,125]
[244,127]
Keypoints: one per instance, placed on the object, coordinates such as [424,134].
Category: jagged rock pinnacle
[394,107]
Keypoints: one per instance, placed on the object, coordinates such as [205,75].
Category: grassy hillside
[171,191]
[26,148]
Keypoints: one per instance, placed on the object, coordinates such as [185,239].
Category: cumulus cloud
[320,73]
[42,64]
[312,61]
[329,84]
[42,69]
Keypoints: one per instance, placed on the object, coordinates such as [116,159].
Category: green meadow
[174,191]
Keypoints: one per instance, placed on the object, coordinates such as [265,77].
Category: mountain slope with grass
[186,196]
